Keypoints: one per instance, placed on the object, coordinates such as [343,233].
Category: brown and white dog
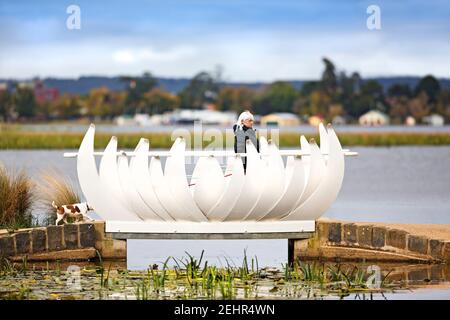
[78,211]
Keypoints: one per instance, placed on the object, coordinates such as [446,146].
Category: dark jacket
[241,135]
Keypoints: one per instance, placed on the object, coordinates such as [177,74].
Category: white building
[338,121]
[374,118]
[280,119]
[410,121]
[434,120]
[186,116]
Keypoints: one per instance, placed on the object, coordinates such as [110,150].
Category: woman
[243,131]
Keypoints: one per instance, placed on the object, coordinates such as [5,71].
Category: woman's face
[248,123]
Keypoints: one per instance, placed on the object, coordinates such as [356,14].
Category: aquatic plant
[16,198]
[191,278]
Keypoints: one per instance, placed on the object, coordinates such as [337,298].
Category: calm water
[400,184]
[304,129]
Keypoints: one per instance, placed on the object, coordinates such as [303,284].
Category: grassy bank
[56,140]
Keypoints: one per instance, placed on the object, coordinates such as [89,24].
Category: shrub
[16,198]
[55,186]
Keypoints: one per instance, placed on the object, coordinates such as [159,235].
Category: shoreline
[18,140]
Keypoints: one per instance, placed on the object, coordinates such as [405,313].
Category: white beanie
[246,115]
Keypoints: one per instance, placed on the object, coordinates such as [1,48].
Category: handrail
[208,153]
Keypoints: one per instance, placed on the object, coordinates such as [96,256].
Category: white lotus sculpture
[133,187]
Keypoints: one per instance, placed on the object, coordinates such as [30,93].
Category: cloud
[141,55]
[259,55]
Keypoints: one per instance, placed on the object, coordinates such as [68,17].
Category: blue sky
[253,40]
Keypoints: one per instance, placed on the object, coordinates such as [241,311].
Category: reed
[55,186]
[12,139]
[193,280]
[16,198]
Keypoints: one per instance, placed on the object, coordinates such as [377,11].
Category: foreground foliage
[189,278]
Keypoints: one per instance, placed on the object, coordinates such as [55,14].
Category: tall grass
[55,186]
[16,198]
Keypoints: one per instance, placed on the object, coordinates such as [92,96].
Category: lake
[399,184]
[304,128]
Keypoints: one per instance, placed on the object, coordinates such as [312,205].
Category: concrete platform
[336,240]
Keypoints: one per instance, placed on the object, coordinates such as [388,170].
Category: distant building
[315,120]
[3,86]
[410,121]
[26,85]
[125,120]
[44,94]
[434,120]
[280,119]
[374,118]
[338,121]
[188,116]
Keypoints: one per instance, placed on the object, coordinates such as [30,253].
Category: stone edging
[372,240]
[47,239]
[66,242]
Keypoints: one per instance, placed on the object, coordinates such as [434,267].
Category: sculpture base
[211,230]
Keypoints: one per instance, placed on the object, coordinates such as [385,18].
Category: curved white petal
[252,185]
[294,187]
[324,145]
[273,186]
[94,190]
[316,172]
[161,189]
[210,184]
[196,173]
[109,175]
[234,181]
[142,180]
[328,189]
[175,172]
[128,188]
[306,148]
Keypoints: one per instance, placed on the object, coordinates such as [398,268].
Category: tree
[319,103]
[277,97]
[236,99]
[430,86]
[106,104]
[96,103]
[418,107]
[137,87]
[399,90]
[67,106]
[201,89]
[399,108]
[5,105]
[24,102]
[158,101]
[443,105]
[308,88]
[329,80]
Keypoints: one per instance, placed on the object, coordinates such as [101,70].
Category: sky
[252,40]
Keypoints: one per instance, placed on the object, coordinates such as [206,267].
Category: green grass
[13,139]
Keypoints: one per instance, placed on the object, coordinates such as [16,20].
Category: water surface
[399,184]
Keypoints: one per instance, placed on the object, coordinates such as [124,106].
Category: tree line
[335,94]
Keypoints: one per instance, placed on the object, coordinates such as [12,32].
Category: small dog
[78,211]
